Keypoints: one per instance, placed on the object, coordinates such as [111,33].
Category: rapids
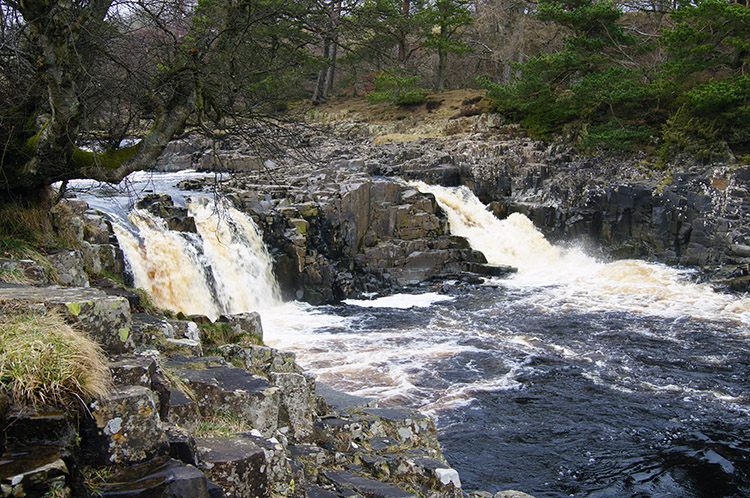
[574,377]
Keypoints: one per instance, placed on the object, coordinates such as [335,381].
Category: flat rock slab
[236,392]
[159,478]
[40,428]
[341,402]
[364,486]
[238,465]
[105,318]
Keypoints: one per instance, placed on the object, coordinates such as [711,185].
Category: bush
[45,362]
[615,136]
[396,87]
[696,136]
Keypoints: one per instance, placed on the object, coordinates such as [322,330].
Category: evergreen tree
[448,17]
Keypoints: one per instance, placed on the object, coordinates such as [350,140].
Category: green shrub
[693,135]
[616,136]
[396,87]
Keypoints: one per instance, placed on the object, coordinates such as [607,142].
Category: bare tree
[79,76]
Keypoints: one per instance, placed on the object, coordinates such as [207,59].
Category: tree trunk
[319,95]
[442,59]
[331,73]
[402,52]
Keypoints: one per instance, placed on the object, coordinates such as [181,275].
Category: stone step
[340,402]
[123,427]
[34,471]
[233,391]
[159,478]
[368,488]
[237,465]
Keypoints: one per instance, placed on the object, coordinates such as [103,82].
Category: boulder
[124,427]
[158,478]
[34,471]
[238,465]
[234,391]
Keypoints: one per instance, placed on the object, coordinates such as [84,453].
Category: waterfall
[577,281]
[223,269]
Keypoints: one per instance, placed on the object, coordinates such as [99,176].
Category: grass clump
[219,333]
[46,362]
[221,425]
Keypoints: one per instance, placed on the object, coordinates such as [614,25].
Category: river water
[573,377]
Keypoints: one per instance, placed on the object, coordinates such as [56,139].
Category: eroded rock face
[336,231]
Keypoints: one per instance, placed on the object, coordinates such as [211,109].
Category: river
[574,377]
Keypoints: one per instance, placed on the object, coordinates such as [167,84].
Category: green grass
[221,425]
[46,362]
[218,334]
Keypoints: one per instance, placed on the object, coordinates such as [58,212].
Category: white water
[574,280]
[223,269]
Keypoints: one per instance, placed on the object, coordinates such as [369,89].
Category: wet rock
[162,206]
[124,427]
[159,478]
[511,494]
[238,465]
[429,473]
[410,428]
[34,471]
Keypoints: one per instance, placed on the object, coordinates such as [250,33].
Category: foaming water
[223,269]
[401,301]
[577,281]
[165,264]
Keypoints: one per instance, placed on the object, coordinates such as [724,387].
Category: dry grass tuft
[46,362]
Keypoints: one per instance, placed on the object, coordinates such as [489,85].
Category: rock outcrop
[236,420]
[336,232]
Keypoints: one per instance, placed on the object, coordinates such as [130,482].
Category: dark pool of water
[611,404]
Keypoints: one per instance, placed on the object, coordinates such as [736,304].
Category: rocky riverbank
[205,409]
[196,409]
[193,415]
[346,220]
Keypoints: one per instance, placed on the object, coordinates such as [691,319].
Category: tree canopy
[683,87]
[97,88]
